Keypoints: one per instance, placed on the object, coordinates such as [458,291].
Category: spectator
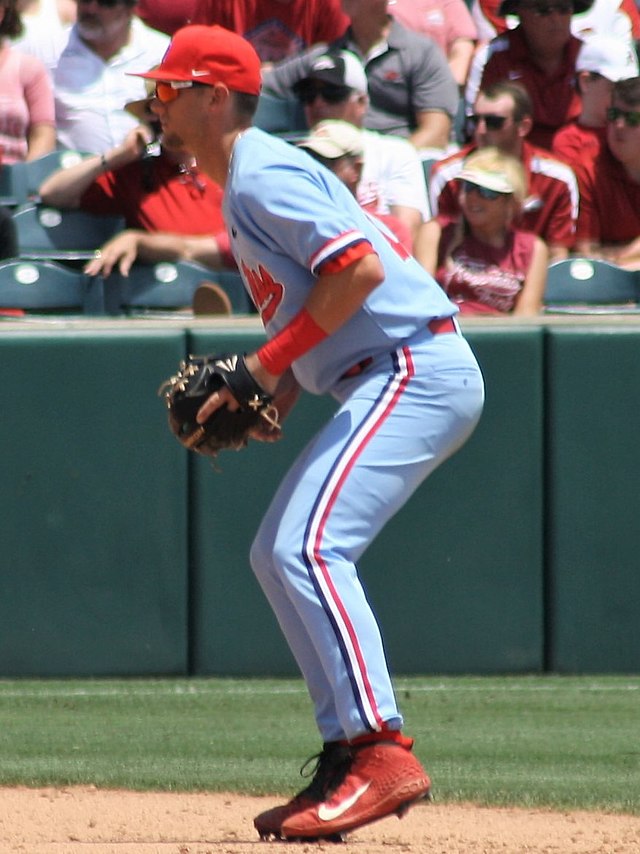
[618,18]
[45,23]
[411,90]
[277,29]
[392,180]
[601,62]
[609,221]
[482,261]
[541,54]
[27,128]
[502,118]
[448,23]
[90,79]
[339,146]
[172,212]
[167,16]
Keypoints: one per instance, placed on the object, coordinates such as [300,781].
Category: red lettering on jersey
[265,291]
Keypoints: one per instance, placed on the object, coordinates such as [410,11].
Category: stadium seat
[579,283]
[169,285]
[282,116]
[45,286]
[61,235]
[35,171]
[13,190]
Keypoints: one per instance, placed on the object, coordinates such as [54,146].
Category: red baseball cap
[210,55]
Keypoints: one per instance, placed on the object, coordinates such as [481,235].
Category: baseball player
[347,312]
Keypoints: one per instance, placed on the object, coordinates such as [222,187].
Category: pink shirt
[442,20]
[26,99]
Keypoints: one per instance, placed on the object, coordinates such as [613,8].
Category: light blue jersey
[288,216]
[414,397]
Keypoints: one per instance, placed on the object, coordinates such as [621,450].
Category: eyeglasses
[308,90]
[492,121]
[166,92]
[543,10]
[631,117]
[108,4]
[483,192]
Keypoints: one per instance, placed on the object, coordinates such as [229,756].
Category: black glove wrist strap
[242,385]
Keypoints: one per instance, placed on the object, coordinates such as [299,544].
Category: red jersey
[480,278]
[550,209]
[575,144]
[609,201]
[159,195]
[555,99]
[276,30]
[166,15]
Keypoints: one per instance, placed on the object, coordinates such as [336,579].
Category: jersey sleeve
[303,215]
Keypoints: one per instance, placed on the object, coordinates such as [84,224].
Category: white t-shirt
[392,174]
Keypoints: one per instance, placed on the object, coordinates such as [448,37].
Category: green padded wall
[93,577]
[456,578]
[593,461]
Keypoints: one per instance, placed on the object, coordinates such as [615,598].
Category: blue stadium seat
[171,285]
[282,116]
[45,286]
[580,283]
[61,235]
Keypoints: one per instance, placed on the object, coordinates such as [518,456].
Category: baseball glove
[197,378]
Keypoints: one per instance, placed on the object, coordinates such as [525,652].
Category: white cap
[498,181]
[332,139]
[611,57]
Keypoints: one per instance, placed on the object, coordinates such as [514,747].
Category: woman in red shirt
[485,265]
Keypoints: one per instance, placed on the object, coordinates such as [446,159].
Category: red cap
[210,55]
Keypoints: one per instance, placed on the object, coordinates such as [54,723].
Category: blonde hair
[491,159]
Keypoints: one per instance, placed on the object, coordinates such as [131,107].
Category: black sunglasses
[631,117]
[308,90]
[492,121]
[483,192]
[543,10]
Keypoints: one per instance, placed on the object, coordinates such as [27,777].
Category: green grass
[531,741]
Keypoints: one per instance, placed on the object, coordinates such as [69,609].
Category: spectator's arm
[132,245]
[459,58]
[425,248]
[411,217]
[41,139]
[432,131]
[64,189]
[530,298]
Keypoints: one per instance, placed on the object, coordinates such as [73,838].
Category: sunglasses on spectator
[166,92]
[543,10]
[631,117]
[492,121]
[108,4]
[483,192]
[308,90]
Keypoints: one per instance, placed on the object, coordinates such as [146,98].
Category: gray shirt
[409,76]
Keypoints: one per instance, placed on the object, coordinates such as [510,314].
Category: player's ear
[218,93]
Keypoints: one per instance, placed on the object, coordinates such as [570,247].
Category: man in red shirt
[172,212]
[277,29]
[601,62]
[609,221]
[502,118]
[540,53]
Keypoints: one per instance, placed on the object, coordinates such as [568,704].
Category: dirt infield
[90,821]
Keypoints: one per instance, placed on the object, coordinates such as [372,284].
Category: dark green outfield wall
[121,554]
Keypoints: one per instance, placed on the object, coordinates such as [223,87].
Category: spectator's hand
[120,251]
[131,148]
